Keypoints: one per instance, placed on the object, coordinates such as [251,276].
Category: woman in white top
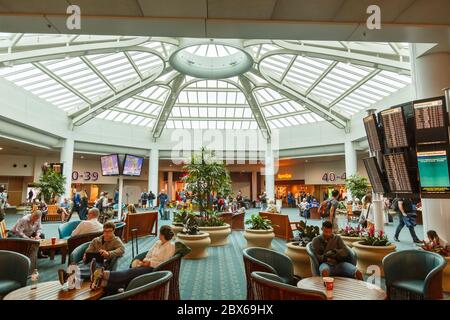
[161,251]
[367,218]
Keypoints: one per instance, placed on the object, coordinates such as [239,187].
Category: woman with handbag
[366,219]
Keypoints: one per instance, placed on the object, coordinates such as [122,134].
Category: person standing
[162,202]
[83,205]
[116,196]
[151,198]
[331,216]
[76,201]
[30,196]
[404,208]
[263,199]
[144,198]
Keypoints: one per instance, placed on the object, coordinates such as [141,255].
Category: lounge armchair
[13,272]
[352,258]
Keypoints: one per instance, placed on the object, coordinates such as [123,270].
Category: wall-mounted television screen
[431,121]
[433,172]
[394,127]
[397,173]
[132,165]
[110,165]
[372,132]
[374,173]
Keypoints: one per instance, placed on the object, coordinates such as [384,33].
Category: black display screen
[374,173]
[372,132]
[431,121]
[394,127]
[397,173]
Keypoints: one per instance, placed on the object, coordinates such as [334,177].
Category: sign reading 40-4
[331,176]
[86,176]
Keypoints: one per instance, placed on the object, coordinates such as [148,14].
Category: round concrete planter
[371,255]
[350,240]
[219,235]
[176,229]
[300,259]
[446,276]
[198,243]
[259,238]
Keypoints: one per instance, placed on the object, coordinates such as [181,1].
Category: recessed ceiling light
[82,157]
[1,148]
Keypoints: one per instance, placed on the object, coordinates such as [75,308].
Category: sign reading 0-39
[86,176]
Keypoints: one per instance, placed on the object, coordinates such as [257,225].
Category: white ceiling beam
[322,76]
[136,113]
[134,65]
[354,87]
[98,73]
[62,82]
[14,41]
[149,100]
[289,114]
[255,107]
[331,116]
[82,116]
[168,105]
[285,72]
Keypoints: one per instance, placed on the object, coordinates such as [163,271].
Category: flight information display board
[374,173]
[372,132]
[394,127]
[397,173]
[433,172]
[431,121]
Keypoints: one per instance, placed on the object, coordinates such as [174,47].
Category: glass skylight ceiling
[324,72]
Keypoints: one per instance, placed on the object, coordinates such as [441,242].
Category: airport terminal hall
[204,150]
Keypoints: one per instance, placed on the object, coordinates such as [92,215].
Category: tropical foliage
[306,233]
[51,184]
[357,185]
[257,222]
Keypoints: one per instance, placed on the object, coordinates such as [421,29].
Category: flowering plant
[445,252]
[349,231]
[377,239]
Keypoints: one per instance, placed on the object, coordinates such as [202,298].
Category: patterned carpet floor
[220,276]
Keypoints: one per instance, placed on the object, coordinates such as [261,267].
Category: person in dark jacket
[332,254]
[162,202]
[404,209]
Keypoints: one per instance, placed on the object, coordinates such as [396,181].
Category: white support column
[254,186]
[66,158]
[153,181]
[170,185]
[351,162]
[269,171]
[119,209]
[430,77]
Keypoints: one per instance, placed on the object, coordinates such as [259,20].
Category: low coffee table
[61,244]
[53,290]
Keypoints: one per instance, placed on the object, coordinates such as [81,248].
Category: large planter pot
[176,228]
[198,243]
[371,255]
[300,259]
[446,276]
[259,238]
[350,240]
[219,235]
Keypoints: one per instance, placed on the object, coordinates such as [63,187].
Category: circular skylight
[211,61]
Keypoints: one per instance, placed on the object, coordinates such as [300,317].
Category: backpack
[99,204]
[144,196]
[324,209]
[151,196]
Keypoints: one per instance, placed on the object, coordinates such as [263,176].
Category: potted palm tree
[204,177]
[259,233]
[195,239]
[296,250]
[51,184]
[372,249]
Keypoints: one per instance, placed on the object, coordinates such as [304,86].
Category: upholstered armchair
[150,286]
[13,271]
[65,229]
[352,258]
[414,274]
[266,260]
[269,286]
[76,241]
[27,247]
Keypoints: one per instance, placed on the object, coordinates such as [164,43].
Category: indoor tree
[51,184]
[206,176]
[358,186]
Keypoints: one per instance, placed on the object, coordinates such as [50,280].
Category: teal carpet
[221,276]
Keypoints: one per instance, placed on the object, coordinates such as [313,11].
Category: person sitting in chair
[332,254]
[108,246]
[90,225]
[29,227]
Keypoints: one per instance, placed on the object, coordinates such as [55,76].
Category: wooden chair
[282,227]
[268,286]
[150,286]
[3,230]
[52,214]
[146,224]
[236,221]
[27,247]
[75,241]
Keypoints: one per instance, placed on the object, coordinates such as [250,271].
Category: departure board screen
[374,173]
[397,173]
[433,171]
[431,121]
[394,128]
[373,135]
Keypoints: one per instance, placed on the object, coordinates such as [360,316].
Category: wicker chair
[150,286]
[265,260]
[173,265]
[14,271]
[75,241]
[269,286]
[414,275]
[27,247]
[352,258]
